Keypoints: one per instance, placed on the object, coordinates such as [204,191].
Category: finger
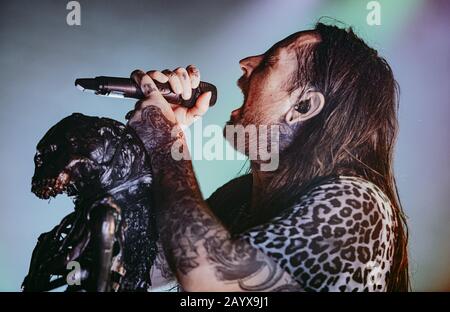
[174,81]
[194,74]
[158,76]
[137,75]
[149,88]
[181,114]
[195,118]
[139,105]
[190,119]
[147,85]
[185,82]
[201,105]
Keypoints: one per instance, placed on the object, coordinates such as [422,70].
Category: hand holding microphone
[189,97]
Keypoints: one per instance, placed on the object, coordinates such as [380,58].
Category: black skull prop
[103,165]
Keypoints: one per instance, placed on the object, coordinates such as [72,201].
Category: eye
[270,60]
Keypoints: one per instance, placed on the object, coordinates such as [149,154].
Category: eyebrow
[286,42]
[293,38]
[271,51]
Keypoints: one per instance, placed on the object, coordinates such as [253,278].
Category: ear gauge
[303,107]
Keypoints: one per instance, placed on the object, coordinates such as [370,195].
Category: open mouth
[46,187]
[51,187]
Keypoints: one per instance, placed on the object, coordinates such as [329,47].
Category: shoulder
[344,204]
[338,203]
[339,236]
[353,193]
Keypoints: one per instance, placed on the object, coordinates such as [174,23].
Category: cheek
[266,101]
[265,110]
[260,114]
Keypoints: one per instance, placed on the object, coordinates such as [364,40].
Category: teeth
[51,187]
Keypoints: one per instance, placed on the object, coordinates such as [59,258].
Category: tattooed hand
[181,81]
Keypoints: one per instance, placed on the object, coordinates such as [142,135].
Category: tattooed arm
[198,248]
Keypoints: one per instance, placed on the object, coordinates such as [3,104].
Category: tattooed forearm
[191,235]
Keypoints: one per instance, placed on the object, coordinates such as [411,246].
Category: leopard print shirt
[339,237]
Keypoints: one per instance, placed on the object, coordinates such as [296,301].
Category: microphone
[127,88]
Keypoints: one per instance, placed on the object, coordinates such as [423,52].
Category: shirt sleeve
[339,237]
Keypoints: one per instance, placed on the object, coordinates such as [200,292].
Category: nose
[248,64]
[235,113]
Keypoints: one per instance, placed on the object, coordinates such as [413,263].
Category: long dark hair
[353,135]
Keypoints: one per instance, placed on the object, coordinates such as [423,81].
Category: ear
[316,102]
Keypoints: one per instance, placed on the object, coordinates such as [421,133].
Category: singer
[329,217]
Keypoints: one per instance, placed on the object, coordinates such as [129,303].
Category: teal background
[40,56]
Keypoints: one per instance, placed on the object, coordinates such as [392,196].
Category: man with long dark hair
[328,218]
